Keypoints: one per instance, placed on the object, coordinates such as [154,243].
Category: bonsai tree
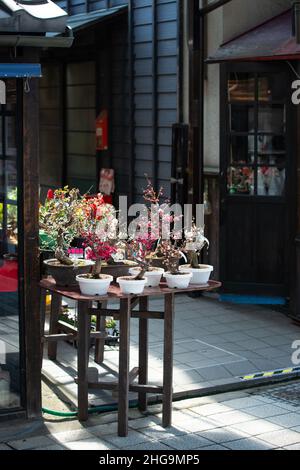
[99,232]
[140,250]
[194,244]
[172,254]
[62,219]
[140,247]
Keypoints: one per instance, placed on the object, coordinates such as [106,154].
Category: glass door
[10,383]
[257,179]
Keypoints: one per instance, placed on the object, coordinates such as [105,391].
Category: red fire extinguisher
[102,131]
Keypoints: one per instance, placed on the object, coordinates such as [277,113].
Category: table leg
[123,388]
[99,344]
[168,360]
[56,301]
[84,325]
[43,294]
[143,353]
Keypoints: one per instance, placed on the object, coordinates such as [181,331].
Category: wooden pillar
[30,198]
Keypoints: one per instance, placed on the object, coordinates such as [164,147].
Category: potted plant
[136,282]
[141,250]
[140,247]
[194,244]
[175,278]
[111,327]
[98,235]
[62,219]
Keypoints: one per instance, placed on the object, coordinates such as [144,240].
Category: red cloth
[9,277]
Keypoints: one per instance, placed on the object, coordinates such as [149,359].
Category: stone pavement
[215,344]
[258,419]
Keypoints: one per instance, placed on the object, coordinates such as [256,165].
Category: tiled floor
[228,421]
[215,343]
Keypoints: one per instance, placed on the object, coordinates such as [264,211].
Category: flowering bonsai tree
[62,219]
[172,254]
[153,227]
[194,243]
[99,232]
[140,247]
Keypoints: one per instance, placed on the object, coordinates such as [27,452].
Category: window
[257,135]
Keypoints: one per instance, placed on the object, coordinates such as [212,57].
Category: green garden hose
[96,409]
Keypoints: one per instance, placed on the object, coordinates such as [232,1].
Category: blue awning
[20,70]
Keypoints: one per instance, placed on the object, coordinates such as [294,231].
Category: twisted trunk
[144,268]
[60,254]
[194,261]
[97,269]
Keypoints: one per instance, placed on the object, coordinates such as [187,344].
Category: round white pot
[94,286]
[130,285]
[153,278]
[200,276]
[178,281]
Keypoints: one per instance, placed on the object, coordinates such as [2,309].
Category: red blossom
[50,194]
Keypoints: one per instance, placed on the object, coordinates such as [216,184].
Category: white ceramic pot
[130,285]
[200,276]
[94,286]
[153,277]
[178,281]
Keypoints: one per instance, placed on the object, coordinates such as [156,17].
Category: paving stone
[210,409]
[159,433]
[223,435]
[242,403]
[31,443]
[133,438]
[104,429]
[266,411]
[144,422]
[281,438]
[88,444]
[214,447]
[4,447]
[259,426]
[288,420]
[149,445]
[196,425]
[188,442]
[248,444]
[292,447]
[231,418]
[71,436]
[53,447]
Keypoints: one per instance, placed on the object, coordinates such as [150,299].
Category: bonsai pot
[178,281]
[153,276]
[130,285]
[45,255]
[117,269]
[65,276]
[201,275]
[90,286]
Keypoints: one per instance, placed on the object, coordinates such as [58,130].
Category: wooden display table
[123,314]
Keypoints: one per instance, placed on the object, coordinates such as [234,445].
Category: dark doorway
[257,178]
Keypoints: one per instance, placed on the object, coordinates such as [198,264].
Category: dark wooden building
[23,32]
[124,61]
